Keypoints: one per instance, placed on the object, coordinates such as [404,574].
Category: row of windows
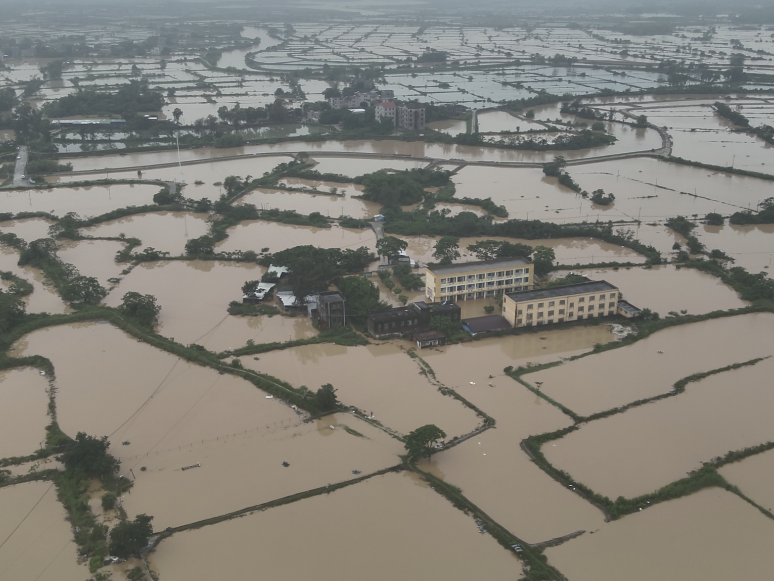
[397,324]
[482,294]
[541,320]
[483,285]
[483,276]
[610,305]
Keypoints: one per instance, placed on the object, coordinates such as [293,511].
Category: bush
[109,501]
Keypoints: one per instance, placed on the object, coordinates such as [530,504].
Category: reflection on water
[23,411]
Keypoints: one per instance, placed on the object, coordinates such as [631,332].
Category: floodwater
[42,547]
[496,121]
[614,378]
[687,538]
[85,201]
[396,522]
[257,234]
[303,203]
[194,298]
[751,246]
[380,379]
[624,456]
[450,126]
[357,166]
[651,189]
[23,411]
[93,258]
[44,298]
[165,231]
[567,250]
[755,478]
[665,288]
[28,229]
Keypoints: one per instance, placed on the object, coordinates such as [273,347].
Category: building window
[443,281]
[551,304]
[509,281]
[561,320]
[378,327]
[610,312]
[582,299]
[471,287]
[480,294]
[540,315]
[461,287]
[561,302]
[521,312]
[490,284]
[479,285]
[591,298]
[443,290]
[611,305]
[550,313]
[591,307]
[480,276]
[580,309]
[501,274]
[530,307]
[518,271]
[490,274]
[518,322]
[500,283]
[561,311]
[489,293]
[540,305]
[508,273]
[571,315]
[529,316]
[471,277]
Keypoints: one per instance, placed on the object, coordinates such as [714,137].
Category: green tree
[597,126]
[447,249]
[714,219]
[84,289]
[109,500]
[493,249]
[641,122]
[422,441]
[177,114]
[143,308]
[66,227]
[53,70]
[390,246]
[128,537]
[362,296]
[199,246]
[543,260]
[326,399]
[90,455]
[250,287]
[12,310]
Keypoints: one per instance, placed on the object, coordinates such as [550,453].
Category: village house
[414,317]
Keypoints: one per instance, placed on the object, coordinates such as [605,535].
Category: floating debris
[125,443]
[197,465]
[356,472]
[285,464]
[269,397]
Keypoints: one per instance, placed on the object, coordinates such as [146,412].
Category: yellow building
[475,280]
[560,304]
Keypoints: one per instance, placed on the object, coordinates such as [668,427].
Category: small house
[433,338]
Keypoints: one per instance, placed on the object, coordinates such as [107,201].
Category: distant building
[331,309]
[628,310]
[475,280]
[559,304]
[414,317]
[429,339]
[335,102]
[386,110]
[411,117]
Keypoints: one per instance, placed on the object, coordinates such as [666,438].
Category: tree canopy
[544,260]
[326,399]
[361,295]
[494,249]
[128,537]
[390,246]
[90,455]
[447,249]
[422,441]
[143,308]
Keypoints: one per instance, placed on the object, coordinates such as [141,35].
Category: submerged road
[21,164]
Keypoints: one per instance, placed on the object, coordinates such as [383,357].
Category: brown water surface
[28,229]
[23,411]
[85,201]
[93,258]
[165,231]
[42,547]
[613,378]
[751,247]
[44,298]
[623,455]
[755,477]
[379,378]
[688,538]
[328,205]
[395,522]
[665,288]
[194,298]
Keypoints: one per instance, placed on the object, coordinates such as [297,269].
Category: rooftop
[388,104]
[629,308]
[487,323]
[563,291]
[478,265]
[429,335]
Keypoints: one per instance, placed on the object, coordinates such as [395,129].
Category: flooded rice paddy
[38,543]
[686,538]
[614,378]
[86,201]
[28,229]
[164,231]
[44,298]
[257,234]
[305,203]
[381,379]
[623,455]
[94,258]
[395,521]
[665,289]
[194,298]
[23,411]
[750,246]
[754,476]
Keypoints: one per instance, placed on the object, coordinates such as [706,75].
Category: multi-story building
[411,117]
[475,280]
[331,309]
[386,110]
[559,304]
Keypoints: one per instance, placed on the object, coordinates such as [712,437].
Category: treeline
[569,141]
[764,216]
[765,132]
[129,99]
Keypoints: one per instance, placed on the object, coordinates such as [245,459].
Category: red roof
[388,104]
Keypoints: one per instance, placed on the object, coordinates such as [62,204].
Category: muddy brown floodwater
[328,205]
[93,258]
[28,229]
[257,234]
[23,411]
[687,538]
[491,469]
[194,298]
[42,547]
[174,414]
[165,231]
[44,298]
[613,378]
[399,526]
[379,378]
[751,247]
[624,456]
[665,288]
[755,478]
[86,201]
